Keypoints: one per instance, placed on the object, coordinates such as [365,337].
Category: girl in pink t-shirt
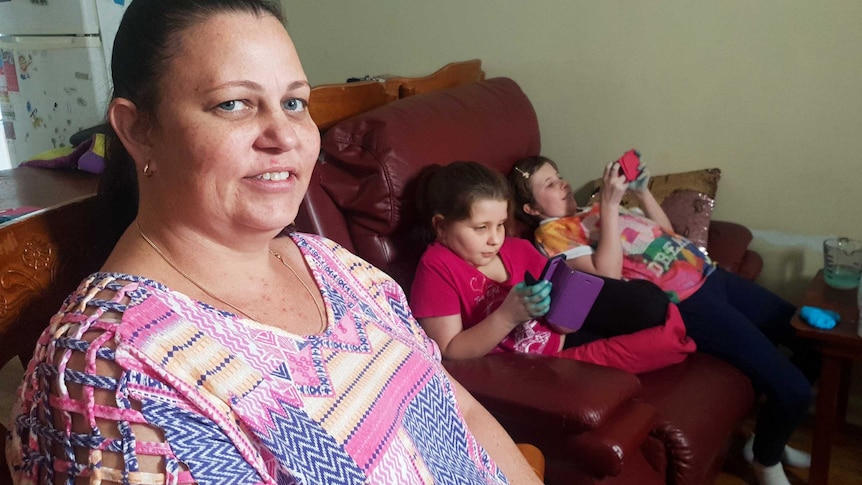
[470,296]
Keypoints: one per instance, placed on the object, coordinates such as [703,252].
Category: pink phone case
[629,163]
[572,296]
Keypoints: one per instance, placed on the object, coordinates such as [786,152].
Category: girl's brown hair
[519,179]
[451,190]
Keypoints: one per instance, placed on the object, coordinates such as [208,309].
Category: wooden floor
[845,467]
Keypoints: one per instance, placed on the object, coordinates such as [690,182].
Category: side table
[840,346]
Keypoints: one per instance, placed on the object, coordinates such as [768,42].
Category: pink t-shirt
[447,285]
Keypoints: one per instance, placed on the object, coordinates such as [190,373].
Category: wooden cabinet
[45,254]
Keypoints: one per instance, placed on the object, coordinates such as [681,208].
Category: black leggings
[622,307]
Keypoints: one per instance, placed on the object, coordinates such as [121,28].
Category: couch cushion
[370,161]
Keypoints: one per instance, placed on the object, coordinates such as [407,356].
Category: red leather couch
[594,424]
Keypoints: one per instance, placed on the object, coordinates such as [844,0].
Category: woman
[207,349]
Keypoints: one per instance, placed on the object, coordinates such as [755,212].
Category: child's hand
[537,298]
[613,185]
[526,302]
[641,183]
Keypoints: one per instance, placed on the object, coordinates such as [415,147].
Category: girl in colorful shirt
[470,297]
[727,316]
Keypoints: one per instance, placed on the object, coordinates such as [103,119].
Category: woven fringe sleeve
[76,418]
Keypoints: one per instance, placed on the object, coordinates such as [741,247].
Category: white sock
[770,475]
[797,458]
[748,449]
[790,456]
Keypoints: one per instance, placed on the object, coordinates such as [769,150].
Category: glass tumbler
[842,262]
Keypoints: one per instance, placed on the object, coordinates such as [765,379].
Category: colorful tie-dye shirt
[366,401]
[650,252]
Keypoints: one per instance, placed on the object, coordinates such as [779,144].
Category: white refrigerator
[54,76]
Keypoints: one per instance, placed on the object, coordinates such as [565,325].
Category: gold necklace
[320,313]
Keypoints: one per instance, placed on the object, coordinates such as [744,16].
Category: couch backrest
[361,194]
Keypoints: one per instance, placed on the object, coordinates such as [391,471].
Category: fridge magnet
[37,120]
[6,111]
[8,130]
[9,70]
[24,66]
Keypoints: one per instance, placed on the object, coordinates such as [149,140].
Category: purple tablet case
[572,296]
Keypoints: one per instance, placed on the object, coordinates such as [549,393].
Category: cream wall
[769,91]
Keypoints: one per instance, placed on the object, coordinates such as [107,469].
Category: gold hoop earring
[147,172]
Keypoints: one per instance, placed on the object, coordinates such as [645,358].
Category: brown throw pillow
[690,212]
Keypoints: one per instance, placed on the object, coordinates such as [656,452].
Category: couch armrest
[606,449]
[563,393]
[573,411]
[728,247]
[751,266]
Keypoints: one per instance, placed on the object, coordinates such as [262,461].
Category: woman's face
[552,193]
[233,145]
[478,238]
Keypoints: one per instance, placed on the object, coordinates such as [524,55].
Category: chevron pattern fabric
[366,401]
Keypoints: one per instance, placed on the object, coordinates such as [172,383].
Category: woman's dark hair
[451,190]
[519,179]
[148,36]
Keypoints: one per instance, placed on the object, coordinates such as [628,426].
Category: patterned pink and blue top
[366,401]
